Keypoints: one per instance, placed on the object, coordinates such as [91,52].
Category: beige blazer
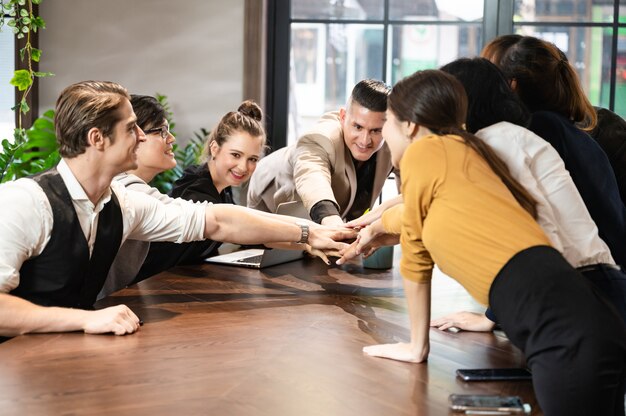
[319,166]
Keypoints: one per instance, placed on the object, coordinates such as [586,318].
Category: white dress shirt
[133,253]
[26,220]
[561,211]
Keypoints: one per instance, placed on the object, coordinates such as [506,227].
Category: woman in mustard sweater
[464,212]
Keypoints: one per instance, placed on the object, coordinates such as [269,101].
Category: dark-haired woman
[464,211]
[232,151]
[541,76]
[234,147]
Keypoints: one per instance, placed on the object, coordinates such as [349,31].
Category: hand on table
[468,321]
[401,352]
[119,320]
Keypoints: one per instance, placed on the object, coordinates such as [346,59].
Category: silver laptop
[256,258]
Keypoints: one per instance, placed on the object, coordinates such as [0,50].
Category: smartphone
[486,404]
[494,374]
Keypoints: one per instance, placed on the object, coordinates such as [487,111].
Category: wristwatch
[304,231]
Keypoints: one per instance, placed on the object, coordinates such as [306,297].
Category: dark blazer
[610,133]
[592,174]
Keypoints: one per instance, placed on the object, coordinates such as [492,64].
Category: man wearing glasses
[62,228]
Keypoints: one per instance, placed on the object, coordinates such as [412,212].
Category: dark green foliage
[32,151]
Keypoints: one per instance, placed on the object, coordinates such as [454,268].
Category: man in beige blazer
[337,169]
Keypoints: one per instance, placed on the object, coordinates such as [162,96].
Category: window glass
[338,9]
[563,11]
[593,64]
[7,94]
[416,47]
[327,60]
[446,10]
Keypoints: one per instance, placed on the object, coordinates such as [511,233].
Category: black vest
[63,274]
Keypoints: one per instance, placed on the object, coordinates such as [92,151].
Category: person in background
[610,133]
[497,116]
[232,151]
[337,169]
[541,76]
[464,211]
[62,228]
[610,130]
[243,139]
[154,155]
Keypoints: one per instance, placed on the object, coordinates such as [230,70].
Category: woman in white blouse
[496,115]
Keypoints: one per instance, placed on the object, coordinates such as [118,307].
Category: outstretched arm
[234,224]
[418,300]
[19,316]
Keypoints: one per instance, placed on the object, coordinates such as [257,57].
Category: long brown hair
[437,101]
[544,78]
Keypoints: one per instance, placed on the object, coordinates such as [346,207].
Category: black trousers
[573,339]
[611,282]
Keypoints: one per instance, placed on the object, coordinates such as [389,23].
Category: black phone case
[494,374]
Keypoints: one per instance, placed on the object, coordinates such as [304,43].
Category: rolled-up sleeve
[25,227]
[148,219]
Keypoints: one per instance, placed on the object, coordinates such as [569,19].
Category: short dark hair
[83,106]
[150,113]
[371,94]
[490,99]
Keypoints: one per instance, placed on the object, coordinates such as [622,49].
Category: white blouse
[561,211]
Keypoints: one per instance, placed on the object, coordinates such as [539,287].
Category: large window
[319,49]
[335,43]
[592,33]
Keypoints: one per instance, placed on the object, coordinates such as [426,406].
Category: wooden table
[286,340]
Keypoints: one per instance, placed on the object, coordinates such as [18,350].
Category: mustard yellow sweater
[458,214]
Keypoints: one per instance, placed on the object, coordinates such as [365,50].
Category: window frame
[497,20]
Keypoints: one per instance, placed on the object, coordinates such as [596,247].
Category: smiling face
[362,130]
[235,160]
[155,155]
[396,134]
[122,145]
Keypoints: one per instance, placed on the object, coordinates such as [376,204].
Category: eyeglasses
[164,131]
